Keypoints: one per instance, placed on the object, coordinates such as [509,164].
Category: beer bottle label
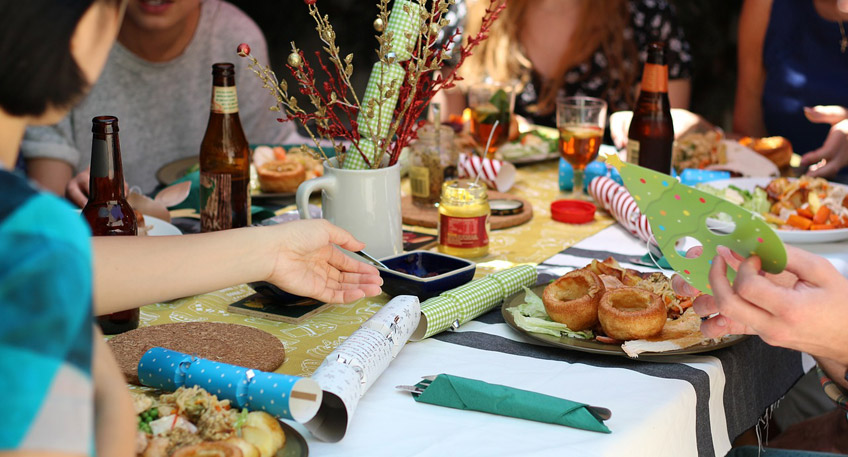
[633,151]
[216,194]
[655,78]
[224,100]
[419,180]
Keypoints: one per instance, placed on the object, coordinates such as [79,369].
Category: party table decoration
[351,369]
[402,82]
[615,198]
[471,394]
[458,306]
[283,396]
[676,211]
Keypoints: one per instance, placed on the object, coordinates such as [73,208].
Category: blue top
[45,322]
[804,67]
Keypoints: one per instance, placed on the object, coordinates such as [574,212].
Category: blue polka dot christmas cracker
[676,211]
[283,396]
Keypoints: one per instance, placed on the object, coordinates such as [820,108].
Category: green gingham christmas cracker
[404,22]
[458,306]
[403,25]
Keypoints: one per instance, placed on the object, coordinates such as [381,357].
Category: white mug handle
[307,188]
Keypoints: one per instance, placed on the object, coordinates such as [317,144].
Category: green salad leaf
[756,202]
[531,316]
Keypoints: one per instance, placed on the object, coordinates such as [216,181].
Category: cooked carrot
[821,215]
[805,212]
[822,227]
[834,219]
[800,222]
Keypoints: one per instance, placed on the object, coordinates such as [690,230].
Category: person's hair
[38,70]
[598,24]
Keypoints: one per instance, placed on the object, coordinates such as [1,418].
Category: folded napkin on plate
[284,396]
[474,395]
[458,306]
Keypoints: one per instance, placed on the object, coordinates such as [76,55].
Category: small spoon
[368,257]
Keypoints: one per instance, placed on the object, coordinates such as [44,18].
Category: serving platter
[596,347]
[172,171]
[295,443]
[788,236]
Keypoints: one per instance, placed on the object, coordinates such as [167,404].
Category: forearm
[135,271]
[834,370]
[115,423]
[51,174]
[679,91]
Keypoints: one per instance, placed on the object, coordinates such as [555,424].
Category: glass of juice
[491,106]
[581,122]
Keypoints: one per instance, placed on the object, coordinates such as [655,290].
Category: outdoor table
[672,405]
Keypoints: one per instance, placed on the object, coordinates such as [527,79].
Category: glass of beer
[581,122]
[491,106]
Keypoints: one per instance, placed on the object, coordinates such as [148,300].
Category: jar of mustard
[464,219]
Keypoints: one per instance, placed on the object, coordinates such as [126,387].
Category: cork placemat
[228,343]
[429,217]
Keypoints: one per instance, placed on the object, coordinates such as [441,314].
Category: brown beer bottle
[651,134]
[224,159]
[107,211]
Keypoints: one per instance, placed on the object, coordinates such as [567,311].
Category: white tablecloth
[681,406]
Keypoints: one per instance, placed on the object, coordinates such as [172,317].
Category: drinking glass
[581,122]
[491,102]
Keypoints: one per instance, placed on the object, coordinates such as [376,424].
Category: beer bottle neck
[224,98]
[655,78]
[107,177]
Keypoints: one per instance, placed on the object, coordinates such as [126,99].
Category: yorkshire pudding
[573,299]
[281,175]
[630,313]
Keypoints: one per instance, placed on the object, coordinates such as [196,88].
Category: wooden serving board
[429,217]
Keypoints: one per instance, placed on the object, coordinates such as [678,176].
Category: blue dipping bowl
[424,274]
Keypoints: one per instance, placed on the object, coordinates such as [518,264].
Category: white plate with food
[158,227]
[791,206]
[710,151]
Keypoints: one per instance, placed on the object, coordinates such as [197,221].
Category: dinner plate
[158,227]
[596,347]
[177,169]
[745,161]
[295,443]
[788,236]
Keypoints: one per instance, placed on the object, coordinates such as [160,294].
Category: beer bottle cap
[572,211]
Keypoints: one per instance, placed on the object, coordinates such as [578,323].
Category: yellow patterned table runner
[309,342]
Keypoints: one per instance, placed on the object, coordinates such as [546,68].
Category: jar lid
[505,207]
[572,211]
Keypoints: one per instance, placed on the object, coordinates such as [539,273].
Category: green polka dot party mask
[676,211]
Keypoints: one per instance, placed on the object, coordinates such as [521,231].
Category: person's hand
[77,188]
[833,154]
[802,308]
[308,263]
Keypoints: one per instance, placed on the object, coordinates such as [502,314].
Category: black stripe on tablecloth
[699,379]
[745,397]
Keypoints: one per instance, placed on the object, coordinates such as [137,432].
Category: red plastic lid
[572,211]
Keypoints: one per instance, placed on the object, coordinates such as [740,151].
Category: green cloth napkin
[474,395]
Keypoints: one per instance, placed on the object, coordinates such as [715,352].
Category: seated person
[158,82]
[793,56]
[64,392]
[577,48]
